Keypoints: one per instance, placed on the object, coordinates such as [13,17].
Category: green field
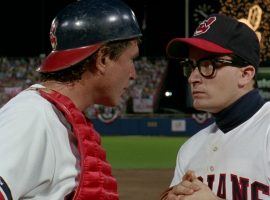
[142,152]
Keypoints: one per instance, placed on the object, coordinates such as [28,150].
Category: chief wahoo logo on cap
[53,37]
[204,26]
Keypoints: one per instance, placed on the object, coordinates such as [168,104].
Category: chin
[201,106]
[111,102]
[207,108]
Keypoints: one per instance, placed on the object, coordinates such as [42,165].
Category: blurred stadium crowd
[16,74]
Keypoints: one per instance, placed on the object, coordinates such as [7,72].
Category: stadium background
[143,134]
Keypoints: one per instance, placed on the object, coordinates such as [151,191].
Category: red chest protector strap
[95,179]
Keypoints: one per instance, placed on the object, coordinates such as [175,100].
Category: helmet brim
[62,59]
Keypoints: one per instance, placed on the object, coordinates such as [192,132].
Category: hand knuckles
[187,190]
[186,183]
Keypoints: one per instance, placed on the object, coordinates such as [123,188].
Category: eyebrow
[225,57]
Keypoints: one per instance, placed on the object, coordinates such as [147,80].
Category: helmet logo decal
[204,26]
[53,37]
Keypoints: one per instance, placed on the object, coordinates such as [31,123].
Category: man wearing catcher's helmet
[49,149]
[230,159]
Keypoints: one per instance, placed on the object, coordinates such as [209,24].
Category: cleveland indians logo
[204,26]
[53,37]
[5,193]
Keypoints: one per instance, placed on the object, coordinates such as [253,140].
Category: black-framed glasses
[207,66]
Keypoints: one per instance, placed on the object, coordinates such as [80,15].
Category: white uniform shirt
[37,156]
[231,163]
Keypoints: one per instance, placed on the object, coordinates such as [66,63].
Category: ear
[101,62]
[247,75]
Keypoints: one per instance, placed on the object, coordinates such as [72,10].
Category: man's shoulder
[266,108]
[212,128]
[27,101]
[30,97]
[201,136]
[263,114]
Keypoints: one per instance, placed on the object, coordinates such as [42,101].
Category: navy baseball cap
[219,34]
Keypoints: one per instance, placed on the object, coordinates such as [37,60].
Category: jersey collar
[239,112]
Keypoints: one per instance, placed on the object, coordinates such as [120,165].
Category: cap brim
[58,60]
[179,47]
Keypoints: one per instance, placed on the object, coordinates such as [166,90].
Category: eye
[206,64]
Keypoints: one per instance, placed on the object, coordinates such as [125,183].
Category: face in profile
[117,75]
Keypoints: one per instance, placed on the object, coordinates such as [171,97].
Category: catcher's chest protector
[95,180]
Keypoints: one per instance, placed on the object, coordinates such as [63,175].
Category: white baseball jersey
[235,165]
[38,157]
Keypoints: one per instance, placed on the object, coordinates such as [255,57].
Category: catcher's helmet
[83,26]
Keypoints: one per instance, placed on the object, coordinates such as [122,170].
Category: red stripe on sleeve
[1,196]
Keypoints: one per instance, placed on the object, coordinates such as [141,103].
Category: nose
[195,76]
[132,74]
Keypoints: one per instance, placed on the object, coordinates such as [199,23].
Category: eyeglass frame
[235,61]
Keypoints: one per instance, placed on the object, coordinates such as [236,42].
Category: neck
[74,91]
[239,112]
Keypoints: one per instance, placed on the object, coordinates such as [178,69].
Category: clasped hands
[191,188]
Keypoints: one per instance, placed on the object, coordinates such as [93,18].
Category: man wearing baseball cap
[230,158]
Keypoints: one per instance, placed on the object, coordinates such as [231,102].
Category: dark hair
[74,73]
[255,84]
[243,62]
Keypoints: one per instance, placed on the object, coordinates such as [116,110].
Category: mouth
[197,93]
[124,91]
